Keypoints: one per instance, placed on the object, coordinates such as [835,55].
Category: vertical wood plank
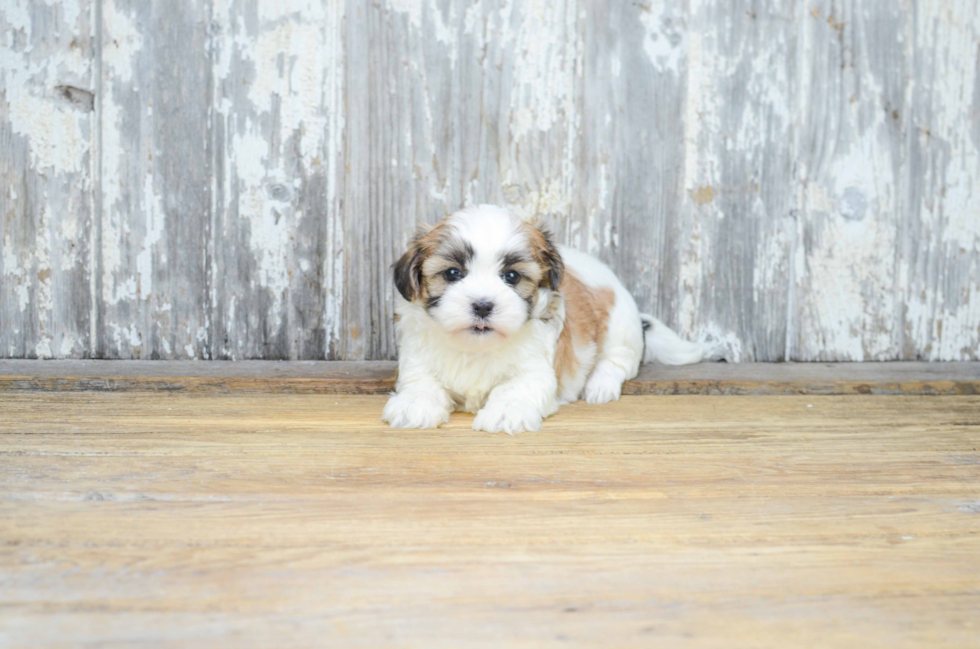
[47,131]
[519,104]
[939,270]
[737,223]
[155,180]
[379,133]
[850,167]
[278,125]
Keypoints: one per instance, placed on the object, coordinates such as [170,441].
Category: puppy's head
[479,273]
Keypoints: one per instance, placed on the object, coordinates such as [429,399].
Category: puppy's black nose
[482,308]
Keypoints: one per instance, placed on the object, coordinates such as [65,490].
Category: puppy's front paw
[507,417]
[603,386]
[415,411]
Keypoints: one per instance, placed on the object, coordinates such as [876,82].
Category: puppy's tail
[666,347]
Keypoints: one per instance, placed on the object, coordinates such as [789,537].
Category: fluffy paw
[603,386]
[415,411]
[507,417]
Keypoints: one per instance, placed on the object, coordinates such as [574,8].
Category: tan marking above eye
[527,269]
[437,265]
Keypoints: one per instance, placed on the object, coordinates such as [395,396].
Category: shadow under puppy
[494,319]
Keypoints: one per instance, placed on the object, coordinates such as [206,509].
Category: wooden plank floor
[248,520]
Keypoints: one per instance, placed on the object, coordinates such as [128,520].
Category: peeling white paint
[664,43]
[10,262]
[848,275]
[45,305]
[411,8]
[959,328]
[289,64]
[838,230]
[57,133]
[154,227]
[334,258]
[68,347]
[943,315]
[58,142]
[124,291]
[774,261]
[121,45]
[56,136]
[122,41]
[16,16]
[544,70]
[68,234]
[291,74]
[42,349]
[45,71]
[957,28]
[842,278]
[427,21]
[698,110]
[125,336]
[269,228]
[550,198]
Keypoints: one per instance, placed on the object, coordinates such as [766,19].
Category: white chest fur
[469,375]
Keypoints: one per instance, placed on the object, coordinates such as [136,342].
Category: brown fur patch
[545,254]
[409,279]
[586,320]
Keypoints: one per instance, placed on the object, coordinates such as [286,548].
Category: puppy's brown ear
[548,256]
[408,271]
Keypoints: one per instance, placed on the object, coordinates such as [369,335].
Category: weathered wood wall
[231,179]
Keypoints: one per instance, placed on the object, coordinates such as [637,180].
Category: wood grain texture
[277,125]
[735,234]
[851,157]
[941,313]
[48,134]
[232,179]
[155,200]
[196,520]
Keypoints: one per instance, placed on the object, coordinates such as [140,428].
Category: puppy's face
[479,274]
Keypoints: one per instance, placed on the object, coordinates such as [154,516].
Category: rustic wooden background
[227,179]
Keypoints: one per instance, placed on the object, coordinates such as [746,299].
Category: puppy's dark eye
[453,275]
[512,277]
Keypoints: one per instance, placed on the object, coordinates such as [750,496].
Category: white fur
[622,348]
[507,377]
[666,347]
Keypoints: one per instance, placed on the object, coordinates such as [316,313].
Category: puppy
[493,318]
